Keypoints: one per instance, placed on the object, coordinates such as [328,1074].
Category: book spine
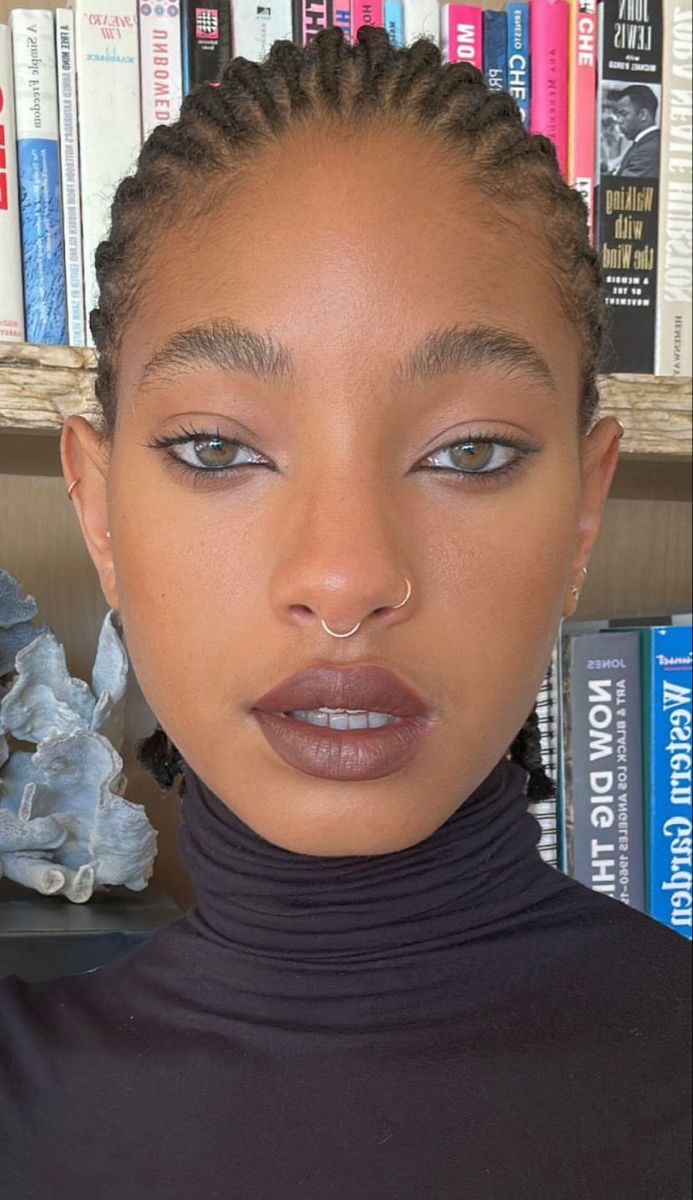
[462,35]
[627,205]
[12,294]
[161,74]
[394,21]
[366,12]
[69,174]
[519,76]
[107,62]
[38,161]
[674,328]
[495,24]
[582,102]
[605,732]
[206,34]
[421,19]
[667,658]
[255,27]
[310,16]
[549,22]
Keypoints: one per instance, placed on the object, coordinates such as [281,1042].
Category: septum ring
[358,623]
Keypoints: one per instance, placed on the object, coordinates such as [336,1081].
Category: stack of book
[608,82]
[616,722]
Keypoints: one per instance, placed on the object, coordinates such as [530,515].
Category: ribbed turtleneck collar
[306,928]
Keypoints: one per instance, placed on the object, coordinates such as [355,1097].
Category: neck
[280,919]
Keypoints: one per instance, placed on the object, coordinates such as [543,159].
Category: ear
[85,455]
[600,451]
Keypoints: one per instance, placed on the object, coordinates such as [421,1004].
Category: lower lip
[343,753]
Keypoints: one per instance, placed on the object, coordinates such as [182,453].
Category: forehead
[347,249]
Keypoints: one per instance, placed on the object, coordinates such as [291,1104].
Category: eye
[208,452]
[481,456]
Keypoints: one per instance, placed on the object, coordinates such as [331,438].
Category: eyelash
[486,438]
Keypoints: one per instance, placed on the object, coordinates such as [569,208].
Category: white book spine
[673,354]
[161,64]
[255,27]
[69,174]
[422,18]
[38,167]
[109,120]
[12,291]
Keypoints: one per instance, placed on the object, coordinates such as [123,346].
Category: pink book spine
[462,34]
[582,108]
[366,12]
[548,41]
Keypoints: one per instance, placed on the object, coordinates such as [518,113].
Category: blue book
[667,721]
[519,81]
[38,169]
[394,21]
[496,49]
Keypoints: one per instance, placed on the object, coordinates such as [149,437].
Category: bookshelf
[642,562]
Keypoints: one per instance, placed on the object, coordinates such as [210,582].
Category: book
[107,63]
[495,53]
[627,205]
[667,675]
[519,74]
[582,102]
[205,41]
[461,34]
[310,16]
[548,43]
[255,27]
[548,716]
[366,12]
[421,20]
[161,68]
[601,802]
[12,294]
[394,21]
[70,175]
[38,163]
[674,328]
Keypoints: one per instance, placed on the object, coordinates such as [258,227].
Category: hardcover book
[421,19]
[674,330]
[495,26]
[161,71]
[69,175]
[627,208]
[366,12]
[582,102]
[255,26]
[394,21]
[519,75]
[206,41]
[461,33]
[12,295]
[601,809]
[549,21]
[668,680]
[38,160]
[108,98]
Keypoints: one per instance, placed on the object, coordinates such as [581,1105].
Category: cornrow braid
[330,81]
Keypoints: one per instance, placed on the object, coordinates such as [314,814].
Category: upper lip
[362,686]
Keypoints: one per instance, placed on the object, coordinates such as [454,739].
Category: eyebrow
[231,347]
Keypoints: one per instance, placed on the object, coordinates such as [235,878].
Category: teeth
[343,718]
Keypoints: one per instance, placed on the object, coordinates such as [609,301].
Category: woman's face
[349,253]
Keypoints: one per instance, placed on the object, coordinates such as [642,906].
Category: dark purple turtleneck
[453,1021]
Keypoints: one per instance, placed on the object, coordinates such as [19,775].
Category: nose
[346,565]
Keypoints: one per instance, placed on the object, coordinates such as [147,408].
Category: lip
[362,685]
[344,754]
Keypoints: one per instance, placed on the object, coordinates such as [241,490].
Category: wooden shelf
[42,385]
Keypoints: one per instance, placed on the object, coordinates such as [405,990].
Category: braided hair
[331,80]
